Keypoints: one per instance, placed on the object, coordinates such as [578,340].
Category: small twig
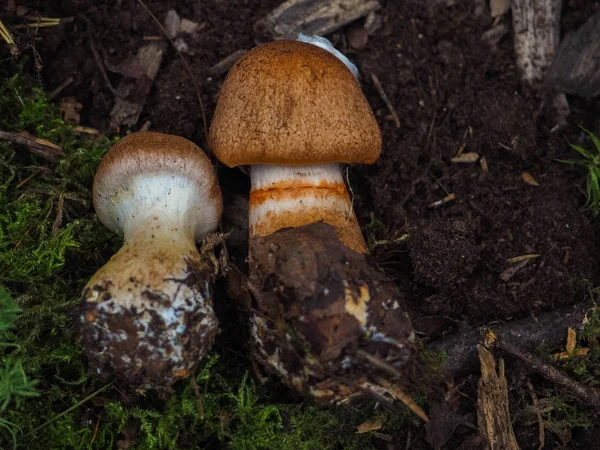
[40,147]
[68,410]
[97,56]
[403,397]
[586,394]
[95,431]
[378,362]
[385,99]
[199,402]
[534,399]
[59,214]
[187,68]
[31,177]
[60,88]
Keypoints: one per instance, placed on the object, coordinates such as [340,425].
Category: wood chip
[576,68]
[493,414]
[446,199]
[499,7]
[369,425]
[582,352]
[570,347]
[518,259]
[468,157]
[536,25]
[571,340]
[133,92]
[320,17]
[41,147]
[528,178]
[227,63]
[484,164]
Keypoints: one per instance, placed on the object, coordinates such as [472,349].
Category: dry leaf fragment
[469,157]
[69,110]
[369,425]
[528,178]
[570,347]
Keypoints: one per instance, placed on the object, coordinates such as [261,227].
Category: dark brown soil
[451,91]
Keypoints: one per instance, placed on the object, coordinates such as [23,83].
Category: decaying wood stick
[493,414]
[536,25]
[41,147]
[319,17]
[588,395]
[548,328]
[576,68]
[133,92]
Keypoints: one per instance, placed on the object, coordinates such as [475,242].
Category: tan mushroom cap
[293,103]
[150,153]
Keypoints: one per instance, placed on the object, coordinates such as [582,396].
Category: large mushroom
[322,319]
[294,112]
[147,315]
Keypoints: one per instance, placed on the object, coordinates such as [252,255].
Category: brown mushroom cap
[149,153]
[293,103]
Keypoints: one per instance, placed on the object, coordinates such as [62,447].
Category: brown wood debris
[135,87]
[41,147]
[536,25]
[493,415]
[319,17]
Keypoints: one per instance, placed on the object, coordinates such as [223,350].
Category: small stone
[358,38]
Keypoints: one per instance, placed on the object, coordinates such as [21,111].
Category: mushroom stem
[292,196]
[147,313]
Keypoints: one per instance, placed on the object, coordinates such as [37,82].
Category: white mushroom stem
[292,196]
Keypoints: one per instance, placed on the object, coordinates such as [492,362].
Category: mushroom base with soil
[324,321]
[146,329]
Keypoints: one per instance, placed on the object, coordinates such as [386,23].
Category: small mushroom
[294,111]
[322,319]
[147,315]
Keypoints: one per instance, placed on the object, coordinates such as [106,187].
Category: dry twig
[588,395]
[385,99]
[41,147]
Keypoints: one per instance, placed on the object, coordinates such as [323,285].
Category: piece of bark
[319,17]
[493,415]
[576,68]
[41,147]
[549,328]
[536,25]
[133,90]
[226,63]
